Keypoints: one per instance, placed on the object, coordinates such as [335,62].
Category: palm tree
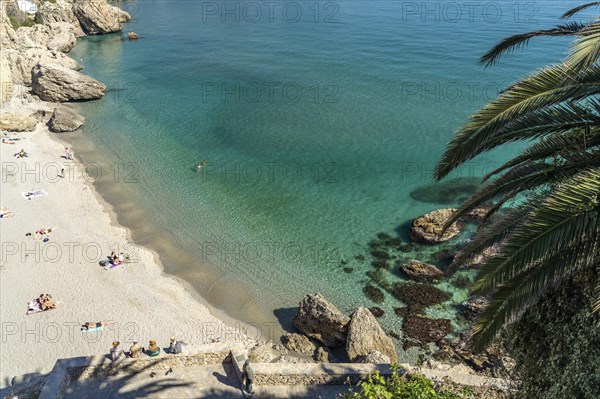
[552,228]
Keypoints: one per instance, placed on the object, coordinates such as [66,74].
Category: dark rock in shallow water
[426,329]
[380,255]
[444,256]
[450,192]
[359,257]
[383,236]
[348,269]
[373,293]
[422,272]
[403,311]
[406,248]
[380,264]
[343,262]
[461,282]
[377,311]
[394,242]
[379,278]
[419,294]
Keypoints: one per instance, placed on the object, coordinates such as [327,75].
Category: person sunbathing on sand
[95,326]
[7,141]
[21,154]
[46,302]
[5,213]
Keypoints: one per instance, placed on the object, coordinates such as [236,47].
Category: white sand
[142,301]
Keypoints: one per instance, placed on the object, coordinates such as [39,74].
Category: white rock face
[17,122]
[365,336]
[22,62]
[49,13]
[97,17]
[59,84]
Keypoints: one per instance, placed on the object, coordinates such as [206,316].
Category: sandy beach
[141,301]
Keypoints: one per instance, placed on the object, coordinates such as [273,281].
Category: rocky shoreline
[35,69]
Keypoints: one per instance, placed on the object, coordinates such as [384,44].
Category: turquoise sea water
[317,120]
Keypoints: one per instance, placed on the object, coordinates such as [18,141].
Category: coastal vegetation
[552,229]
[400,386]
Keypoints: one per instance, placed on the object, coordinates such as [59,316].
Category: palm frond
[577,9]
[547,87]
[515,42]
[516,295]
[585,50]
[569,214]
[553,146]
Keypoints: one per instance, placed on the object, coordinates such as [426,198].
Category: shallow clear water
[315,133]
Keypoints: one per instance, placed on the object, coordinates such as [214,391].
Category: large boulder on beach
[60,84]
[365,336]
[319,319]
[428,228]
[299,343]
[422,272]
[17,122]
[59,11]
[65,119]
[98,17]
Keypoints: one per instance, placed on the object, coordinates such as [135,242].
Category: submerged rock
[422,272]
[319,319]
[428,228]
[17,122]
[365,335]
[418,294]
[59,84]
[377,311]
[453,191]
[65,119]
[425,329]
[373,293]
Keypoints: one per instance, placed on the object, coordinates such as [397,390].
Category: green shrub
[399,386]
[18,22]
[556,344]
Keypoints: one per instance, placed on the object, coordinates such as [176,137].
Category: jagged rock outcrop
[65,119]
[365,335]
[428,228]
[422,272]
[8,36]
[22,62]
[319,319]
[132,36]
[374,357]
[56,36]
[17,122]
[60,11]
[299,343]
[97,17]
[59,84]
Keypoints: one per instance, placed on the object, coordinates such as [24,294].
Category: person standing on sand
[136,349]
[248,375]
[68,153]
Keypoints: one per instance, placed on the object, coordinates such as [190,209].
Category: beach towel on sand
[34,193]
